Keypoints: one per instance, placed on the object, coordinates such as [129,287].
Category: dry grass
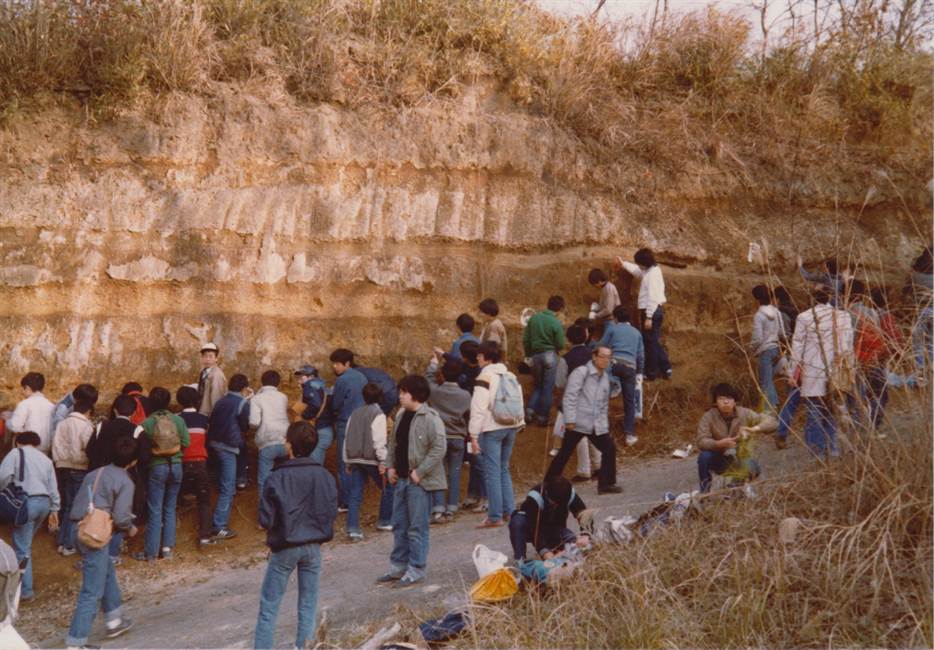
[688,90]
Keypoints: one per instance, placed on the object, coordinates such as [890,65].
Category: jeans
[116,544]
[164,483]
[68,488]
[495,451]
[356,483]
[195,481]
[343,482]
[453,461]
[99,588]
[656,356]
[876,393]
[267,458]
[712,461]
[325,438]
[607,449]
[476,489]
[767,376]
[38,508]
[627,380]
[410,509]
[788,413]
[243,466]
[227,487]
[307,558]
[820,430]
[544,369]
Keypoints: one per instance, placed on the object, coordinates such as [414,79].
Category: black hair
[30,438]
[131,387]
[556,303]
[33,381]
[491,351]
[342,355]
[270,378]
[644,257]
[596,276]
[452,369]
[465,323]
[831,264]
[761,293]
[489,307]
[821,296]
[125,405]
[160,398]
[556,488]
[782,295]
[879,298]
[724,390]
[856,287]
[577,334]
[372,393]
[302,438]
[187,397]
[621,314]
[924,263]
[85,393]
[237,383]
[124,450]
[469,351]
[416,386]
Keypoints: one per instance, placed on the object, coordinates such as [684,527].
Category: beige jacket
[215,387]
[495,331]
[70,441]
[713,427]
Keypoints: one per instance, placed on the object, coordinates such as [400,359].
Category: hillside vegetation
[688,88]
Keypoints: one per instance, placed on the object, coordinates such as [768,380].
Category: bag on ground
[495,587]
[487,560]
[507,403]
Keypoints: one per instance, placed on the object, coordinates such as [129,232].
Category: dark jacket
[545,527]
[298,505]
[229,420]
[347,395]
[101,446]
[314,395]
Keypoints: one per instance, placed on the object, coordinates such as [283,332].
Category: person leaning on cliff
[212,384]
[609,296]
[723,434]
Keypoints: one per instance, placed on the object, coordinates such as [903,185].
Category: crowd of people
[411,438]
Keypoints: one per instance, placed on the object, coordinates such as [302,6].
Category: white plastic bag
[487,560]
[558,430]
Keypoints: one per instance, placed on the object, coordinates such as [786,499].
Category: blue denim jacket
[347,395]
[229,420]
[626,343]
[314,393]
[456,346]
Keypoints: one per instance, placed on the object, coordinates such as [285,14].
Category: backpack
[537,497]
[390,391]
[507,403]
[165,440]
[96,526]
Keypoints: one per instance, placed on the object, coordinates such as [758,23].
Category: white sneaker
[553,453]
[631,440]
[386,528]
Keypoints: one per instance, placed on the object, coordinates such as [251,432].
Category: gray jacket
[427,446]
[767,329]
[114,494]
[587,400]
[453,406]
[38,477]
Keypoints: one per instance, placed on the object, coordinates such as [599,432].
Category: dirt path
[215,609]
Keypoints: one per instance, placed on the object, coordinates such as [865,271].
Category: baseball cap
[209,347]
[307,370]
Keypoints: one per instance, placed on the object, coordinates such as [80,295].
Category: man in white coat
[822,346]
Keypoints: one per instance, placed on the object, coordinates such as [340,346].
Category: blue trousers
[820,430]
[162,496]
[544,370]
[38,509]
[788,412]
[656,356]
[357,482]
[411,506]
[496,447]
[267,458]
[227,488]
[99,589]
[627,380]
[307,559]
[767,376]
[68,487]
[449,500]
[325,438]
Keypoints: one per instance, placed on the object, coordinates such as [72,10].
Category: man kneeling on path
[542,519]
[297,508]
[721,434]
[586,413]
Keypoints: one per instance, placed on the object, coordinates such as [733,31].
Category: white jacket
[811,336]
[34,414]
[481,403]
[70,442]
[651,287]
[269,412]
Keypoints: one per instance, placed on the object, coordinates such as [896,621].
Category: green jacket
[544,332]
[149,425]
[427,446]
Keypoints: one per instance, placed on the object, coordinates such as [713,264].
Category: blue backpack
[507,403]
[386,383]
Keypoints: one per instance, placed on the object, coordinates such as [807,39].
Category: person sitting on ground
[588,456]
[168,437]
[493,328]
[316,397]
[195,460]
[42,499]
[609,296]
[542,519]
[110,489]
[34,412]
[465,323]
[415,469]
[269,413]
[586,415]
[229,420]
[453,405]
[297,508]
[365,457]
[628,364]
[720,431]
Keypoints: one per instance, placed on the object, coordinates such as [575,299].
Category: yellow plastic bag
[494,587]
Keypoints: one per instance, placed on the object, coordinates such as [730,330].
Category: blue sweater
[229,421]
[347,395]
[626,343]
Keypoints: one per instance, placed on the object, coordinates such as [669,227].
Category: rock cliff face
[282,232]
